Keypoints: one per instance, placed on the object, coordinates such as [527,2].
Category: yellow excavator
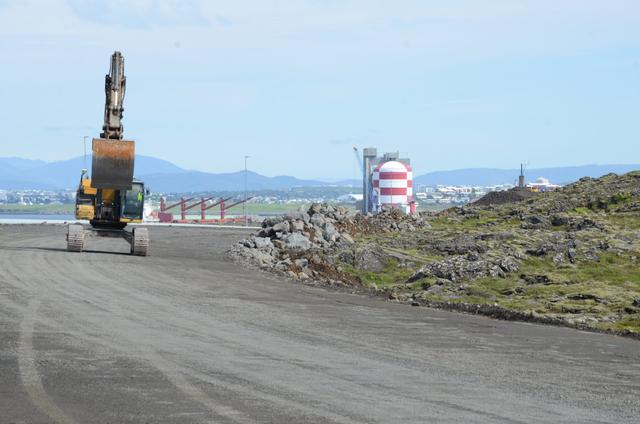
[111,198]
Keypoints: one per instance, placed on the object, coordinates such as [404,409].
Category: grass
[391,275]
[623,221]
[37,209]
[628,323]
[592,289]
[600,292]
[424,207]
[276,208]
[581,210]
[483,219]
[269,208]
[251,208]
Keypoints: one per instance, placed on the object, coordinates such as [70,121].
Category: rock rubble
[300,244]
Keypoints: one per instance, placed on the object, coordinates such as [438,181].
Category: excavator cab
[132,203]
[110,208]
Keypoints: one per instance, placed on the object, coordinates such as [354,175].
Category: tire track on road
[26,355]
[29,374]
[76,289]
[134,316]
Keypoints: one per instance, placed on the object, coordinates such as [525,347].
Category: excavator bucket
[112,165]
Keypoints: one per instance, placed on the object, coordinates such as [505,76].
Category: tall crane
[358,159]
[110,199]
[368,154]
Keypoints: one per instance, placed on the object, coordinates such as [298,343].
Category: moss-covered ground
[578,257]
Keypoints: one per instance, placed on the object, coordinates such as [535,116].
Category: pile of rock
[387,221]
[300,244]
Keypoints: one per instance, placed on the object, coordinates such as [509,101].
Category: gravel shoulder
[187,336]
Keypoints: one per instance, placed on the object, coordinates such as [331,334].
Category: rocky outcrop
[463,268]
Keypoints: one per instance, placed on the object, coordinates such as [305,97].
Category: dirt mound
[502,197]
[611,192]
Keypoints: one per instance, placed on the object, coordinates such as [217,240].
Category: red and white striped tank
[393,185]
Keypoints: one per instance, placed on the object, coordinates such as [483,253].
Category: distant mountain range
[492,176]
[163,176]
[158,174]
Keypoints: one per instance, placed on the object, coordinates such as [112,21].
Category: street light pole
[85,151]
[244,204]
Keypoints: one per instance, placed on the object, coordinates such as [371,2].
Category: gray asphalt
[185,336]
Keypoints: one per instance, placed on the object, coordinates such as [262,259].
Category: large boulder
[297,241]
[458,246]
[282,227]
[299,215]
[297,225]
[330,233]
[370,257]
[318,220]
[262,242]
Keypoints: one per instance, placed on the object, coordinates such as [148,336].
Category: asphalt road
[185,336]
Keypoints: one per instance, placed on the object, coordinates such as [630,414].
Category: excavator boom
[113,158]
[114,86]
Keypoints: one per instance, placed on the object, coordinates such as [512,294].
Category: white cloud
[441,28]
[141,14]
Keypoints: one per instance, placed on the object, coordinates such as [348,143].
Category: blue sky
[294,84]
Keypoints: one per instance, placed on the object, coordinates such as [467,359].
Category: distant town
[426,197]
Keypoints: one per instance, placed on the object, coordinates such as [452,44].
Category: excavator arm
[114,86]
[113,158]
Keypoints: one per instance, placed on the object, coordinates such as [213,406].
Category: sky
[296,84]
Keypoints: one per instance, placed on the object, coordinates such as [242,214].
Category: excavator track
[140,242]
[75,238]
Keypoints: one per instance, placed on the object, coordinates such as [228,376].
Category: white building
[350,198]
[542,184]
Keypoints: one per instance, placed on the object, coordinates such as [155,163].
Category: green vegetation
[623,221]
[391,275]
[478,220]
[37,209]
[424,207]
[270,208]
[599,294]
[266,208]
[597,290]
[571,255]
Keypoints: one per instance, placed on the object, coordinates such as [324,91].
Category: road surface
[185,336]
